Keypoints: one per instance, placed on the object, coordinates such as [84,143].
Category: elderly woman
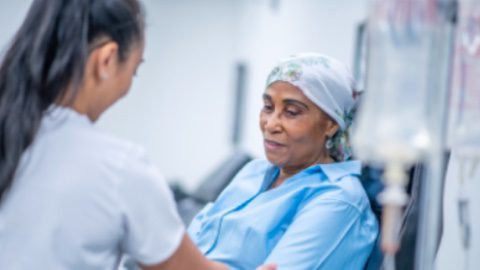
[303,207]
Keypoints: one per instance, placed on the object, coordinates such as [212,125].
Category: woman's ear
[106,60]
[332,128]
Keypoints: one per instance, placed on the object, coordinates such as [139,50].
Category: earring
[329,143]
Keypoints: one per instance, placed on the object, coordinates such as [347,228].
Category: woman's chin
[275,159]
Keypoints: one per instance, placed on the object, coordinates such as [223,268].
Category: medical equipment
[464,127]
[466,93]
[402,116]
[433,181]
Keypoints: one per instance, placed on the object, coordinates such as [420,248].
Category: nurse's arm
[188,257]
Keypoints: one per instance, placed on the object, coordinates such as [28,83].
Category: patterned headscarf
[327,83]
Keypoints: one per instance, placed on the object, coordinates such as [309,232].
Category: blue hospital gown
[319,218]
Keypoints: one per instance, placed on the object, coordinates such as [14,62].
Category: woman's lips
[272,145]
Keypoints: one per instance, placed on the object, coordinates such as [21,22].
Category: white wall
[179,107]
[11,15]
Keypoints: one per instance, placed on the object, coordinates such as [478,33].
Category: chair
[371,179]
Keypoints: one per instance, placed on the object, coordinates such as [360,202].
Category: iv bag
[465,100]
[392,123]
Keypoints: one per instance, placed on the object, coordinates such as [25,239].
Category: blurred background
[197,96]
[181,106]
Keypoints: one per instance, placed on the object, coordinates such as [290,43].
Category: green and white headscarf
[329,84]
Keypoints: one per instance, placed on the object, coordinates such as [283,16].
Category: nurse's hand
[270,266]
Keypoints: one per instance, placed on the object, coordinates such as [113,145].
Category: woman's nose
[273,123]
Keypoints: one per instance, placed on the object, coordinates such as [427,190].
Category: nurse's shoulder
[74,135]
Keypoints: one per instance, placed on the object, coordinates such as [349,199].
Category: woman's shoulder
[253,169]
[345,185]
[247,180]
[257,165]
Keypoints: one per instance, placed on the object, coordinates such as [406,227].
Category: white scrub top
[81,199]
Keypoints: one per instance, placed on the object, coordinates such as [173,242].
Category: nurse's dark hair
[47,57]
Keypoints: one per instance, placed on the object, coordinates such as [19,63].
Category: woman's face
[294,129]
[120,82]
[110,79]
[127,70]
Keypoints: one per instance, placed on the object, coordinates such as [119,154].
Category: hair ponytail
[46,58]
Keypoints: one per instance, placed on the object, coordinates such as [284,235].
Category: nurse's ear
[105,61]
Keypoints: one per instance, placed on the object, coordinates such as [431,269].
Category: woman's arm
[326,234]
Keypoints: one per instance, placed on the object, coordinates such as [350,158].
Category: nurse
[72,197]
[303,207]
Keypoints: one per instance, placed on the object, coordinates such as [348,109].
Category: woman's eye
[292,113]
[267,108]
